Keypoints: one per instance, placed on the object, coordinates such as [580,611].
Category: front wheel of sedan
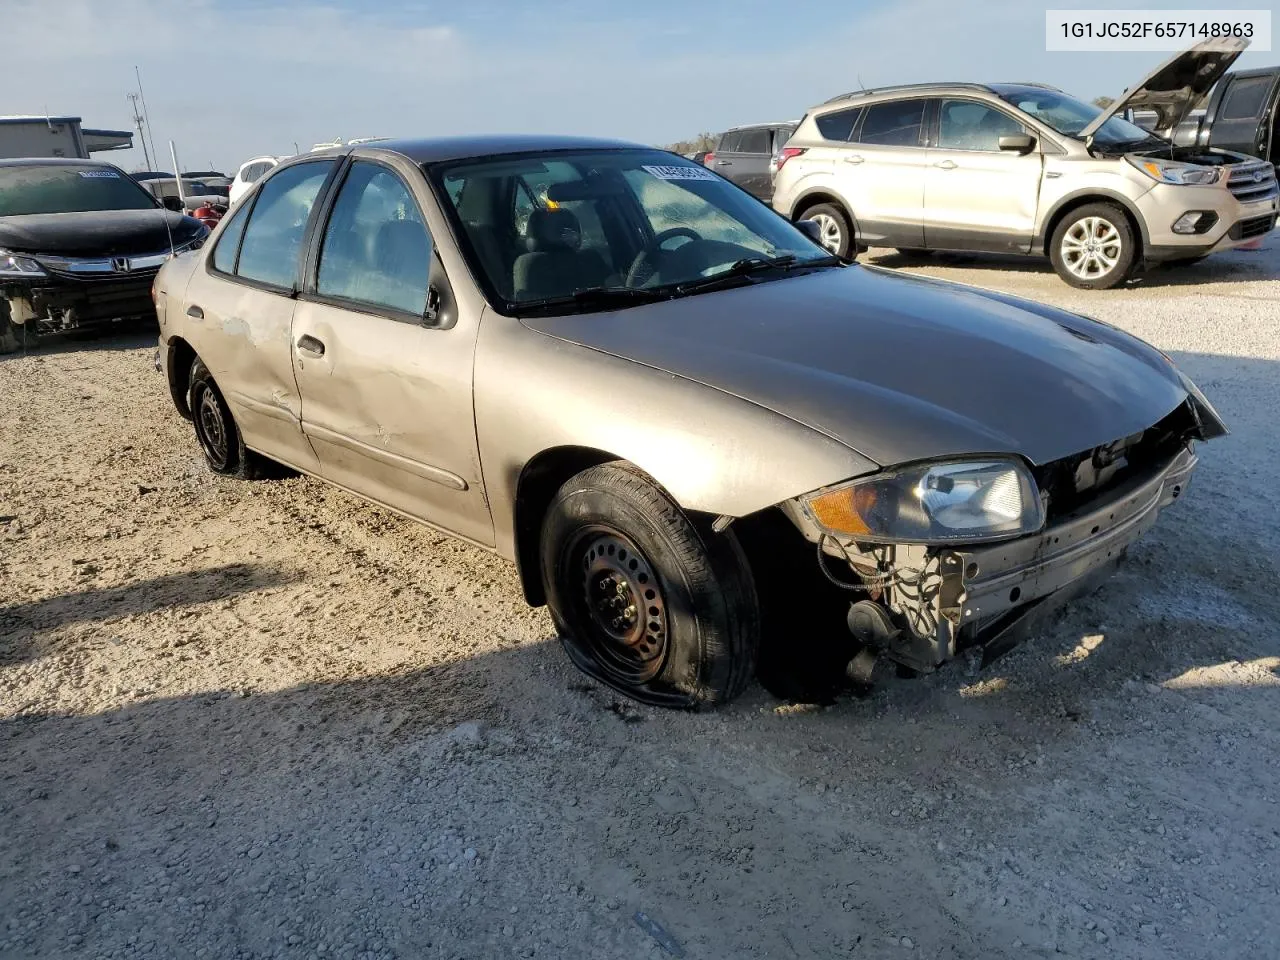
[216,431]
[646,600]
[835,232]
[1093,247]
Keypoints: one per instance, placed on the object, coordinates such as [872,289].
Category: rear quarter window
[838,125]
[1245,99]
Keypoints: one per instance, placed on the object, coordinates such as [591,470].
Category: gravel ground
[266,720]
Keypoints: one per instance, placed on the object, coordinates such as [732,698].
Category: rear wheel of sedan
[216,431]
[646,600]
[1093,247]
[835,230]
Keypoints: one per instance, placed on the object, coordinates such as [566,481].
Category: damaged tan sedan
[662,401]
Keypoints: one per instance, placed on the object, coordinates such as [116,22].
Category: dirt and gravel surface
[267,720]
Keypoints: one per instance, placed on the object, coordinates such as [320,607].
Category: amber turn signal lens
[844,509]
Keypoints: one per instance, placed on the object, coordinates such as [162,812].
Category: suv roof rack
[908,86]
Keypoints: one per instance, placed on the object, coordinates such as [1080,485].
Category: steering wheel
[644,266]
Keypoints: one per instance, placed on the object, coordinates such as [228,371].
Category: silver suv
[1024,168]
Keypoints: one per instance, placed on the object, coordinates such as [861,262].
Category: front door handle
[854,158]
[724,163]
[195,313]
[946,164]
[310,346]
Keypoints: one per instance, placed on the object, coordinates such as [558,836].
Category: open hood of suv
[1174,88]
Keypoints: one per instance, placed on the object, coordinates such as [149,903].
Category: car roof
[437,150]
[928,89]
[54,162]
[757,126]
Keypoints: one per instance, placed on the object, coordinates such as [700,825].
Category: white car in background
[249,173]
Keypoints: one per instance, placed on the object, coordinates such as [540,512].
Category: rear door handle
[195,313]
[310,346]
[854,158]
[946,164]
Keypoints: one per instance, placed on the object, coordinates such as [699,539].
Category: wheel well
[181,358]
[813,199]
[539,480]
[1079,202]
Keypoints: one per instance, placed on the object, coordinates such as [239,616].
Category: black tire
[612,543]
[847,241]
[216,431]
[1114,239]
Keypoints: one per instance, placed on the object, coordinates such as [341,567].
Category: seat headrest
[553,230]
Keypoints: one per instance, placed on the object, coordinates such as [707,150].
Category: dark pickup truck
[1243,114]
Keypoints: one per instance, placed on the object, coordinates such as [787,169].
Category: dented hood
[1174,88]
[898,368]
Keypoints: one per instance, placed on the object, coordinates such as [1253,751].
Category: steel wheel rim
[829,233]
[621,603]
[211,429]
[1091,248]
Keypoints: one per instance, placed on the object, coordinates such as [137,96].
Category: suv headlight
[1168,171]
[956,501]
[12,265]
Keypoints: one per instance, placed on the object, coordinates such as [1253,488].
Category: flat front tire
[1093,247]
[646,600]
[216,431]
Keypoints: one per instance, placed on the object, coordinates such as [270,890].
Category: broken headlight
[957,501]
[12,265]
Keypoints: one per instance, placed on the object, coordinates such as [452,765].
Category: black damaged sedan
[80,243]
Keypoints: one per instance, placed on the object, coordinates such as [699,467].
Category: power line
[142,138]
[147,114]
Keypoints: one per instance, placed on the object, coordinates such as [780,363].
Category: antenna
[861,86]
[155,153]
[142,138]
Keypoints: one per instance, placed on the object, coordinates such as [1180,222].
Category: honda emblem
[1257,176]
[120,265]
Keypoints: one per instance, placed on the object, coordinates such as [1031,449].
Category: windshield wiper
[594,298]
[737,274]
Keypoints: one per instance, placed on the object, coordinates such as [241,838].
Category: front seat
[402,259]
[554,265]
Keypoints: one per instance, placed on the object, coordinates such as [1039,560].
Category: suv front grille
[1251,182]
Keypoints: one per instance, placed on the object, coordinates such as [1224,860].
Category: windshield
[623,223]
[1069,116]
[68,188]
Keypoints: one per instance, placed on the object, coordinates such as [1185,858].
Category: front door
[977,196]
[240,311]
[386,392]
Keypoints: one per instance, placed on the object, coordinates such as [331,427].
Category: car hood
[898,368]
[1174,88]
[97,233]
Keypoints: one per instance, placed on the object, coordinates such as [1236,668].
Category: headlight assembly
[949,502]
[12,265]
[1180,173]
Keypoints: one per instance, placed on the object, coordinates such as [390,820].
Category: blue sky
[230,79]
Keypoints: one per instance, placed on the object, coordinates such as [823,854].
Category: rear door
[386,388]
[881,174]
[751,162]
[1245,115]
[240,310]
[977,196]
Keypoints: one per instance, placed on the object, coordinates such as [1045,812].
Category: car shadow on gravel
[22,624]
[1234,266]
[124,338]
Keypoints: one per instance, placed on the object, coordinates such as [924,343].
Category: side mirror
[440,310]
[172,203]
[810,229]
[1021,143]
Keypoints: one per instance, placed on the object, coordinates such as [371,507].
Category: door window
[754,141]
[273,238]
[1245,98]
[893,124]
[780,137]
[969,125]
[224,254]
[376,247]
[838,125]
[729,142]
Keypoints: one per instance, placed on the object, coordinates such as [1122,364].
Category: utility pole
[147,114]
[142,137]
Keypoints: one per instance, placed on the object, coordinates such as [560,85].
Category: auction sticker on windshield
[99,174]
[664,172]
